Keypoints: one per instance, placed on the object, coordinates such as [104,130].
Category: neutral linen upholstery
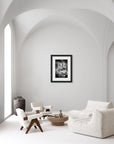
[93,105]
[37,106]
[30,115]
[96,120]
[107,122]
[21,116]
[46,110]
[90,108]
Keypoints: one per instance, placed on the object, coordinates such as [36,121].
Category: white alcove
[111,73]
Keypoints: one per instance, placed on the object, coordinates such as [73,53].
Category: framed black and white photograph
[61,68]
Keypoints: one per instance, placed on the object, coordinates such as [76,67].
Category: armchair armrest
[30,113]
[30,117]
[103,120]
[104,116]
[108,119]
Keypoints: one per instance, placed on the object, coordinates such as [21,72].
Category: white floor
[10,134]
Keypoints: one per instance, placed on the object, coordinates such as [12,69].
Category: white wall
[33,67]
[111,73]
[1,75]
[89,58]
[59,32]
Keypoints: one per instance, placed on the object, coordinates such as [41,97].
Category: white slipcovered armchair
[28,119]
[97,119]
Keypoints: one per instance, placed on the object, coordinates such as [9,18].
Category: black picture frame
[61,68]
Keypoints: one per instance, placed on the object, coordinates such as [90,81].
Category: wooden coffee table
[57,121]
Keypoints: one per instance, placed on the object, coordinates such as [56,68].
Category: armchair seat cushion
[80,114]
[30,117]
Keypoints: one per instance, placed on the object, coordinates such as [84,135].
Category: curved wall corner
[110,74]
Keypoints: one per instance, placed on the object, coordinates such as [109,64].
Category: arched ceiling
[27,22]
[31,20]
[59,19]
[16,7]
[28,14]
